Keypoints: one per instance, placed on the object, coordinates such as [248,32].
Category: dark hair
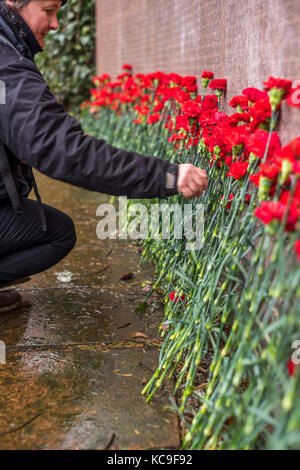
[19,4]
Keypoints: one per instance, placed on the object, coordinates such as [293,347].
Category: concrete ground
[79,356]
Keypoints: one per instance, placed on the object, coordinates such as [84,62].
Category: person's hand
[191,181]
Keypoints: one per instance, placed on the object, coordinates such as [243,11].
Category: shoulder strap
[8,180]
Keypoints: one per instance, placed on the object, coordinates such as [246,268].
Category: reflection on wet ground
[78,357]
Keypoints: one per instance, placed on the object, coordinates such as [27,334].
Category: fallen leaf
[139,335]
[164,326]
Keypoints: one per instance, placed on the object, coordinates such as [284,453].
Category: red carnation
[240,101]
[238,169]
[275,210]
[295,146]
[269,170]
[257,142]
[291,367]
[218,84]
[208,75]
[297,249]
[270,210]
[191,108]
[236,136]
[278,83]
[279,90]
[158,107]
[124,75]
[254,95]
[174,297]
[284,153]
[190,83]
[127,67]
[210,102]
[260,111]
[153,118]
[296,168]
[236,118]
[182,122]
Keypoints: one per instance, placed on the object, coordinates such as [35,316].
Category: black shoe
[22,280]
[10,300]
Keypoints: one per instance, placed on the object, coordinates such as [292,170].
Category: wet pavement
[79,356]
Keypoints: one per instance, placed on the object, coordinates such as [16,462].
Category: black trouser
[24,248]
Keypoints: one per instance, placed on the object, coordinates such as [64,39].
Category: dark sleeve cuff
[171,175]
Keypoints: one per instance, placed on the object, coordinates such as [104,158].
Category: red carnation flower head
[153,118]
[260,111]
[269,170]
[272,213]
[124,76]
[253,94]
[236,137]
[158,107]
[270,210]
[219,85]
[210,102]
[237,118]
[240,102]
[178,94]
[127,67]
[256,143]
[284,153]
[296,168]
[174,78]
[143,110]
[291,367]
[295,146]
[238,169]
[279,89]
[191,108]
[174,297]
[102,79]
[297,249]
[247,199]
[190,84]
[206,77]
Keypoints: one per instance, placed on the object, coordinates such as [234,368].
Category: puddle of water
[64,276]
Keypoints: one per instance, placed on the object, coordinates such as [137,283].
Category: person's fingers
[192,181]
[198,186]
[195,186]
[200,177]
[188,193]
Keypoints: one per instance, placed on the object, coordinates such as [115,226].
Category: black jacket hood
[18,32]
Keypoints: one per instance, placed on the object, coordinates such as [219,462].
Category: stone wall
[243,41]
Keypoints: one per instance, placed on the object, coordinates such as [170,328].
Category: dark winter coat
[35,128]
